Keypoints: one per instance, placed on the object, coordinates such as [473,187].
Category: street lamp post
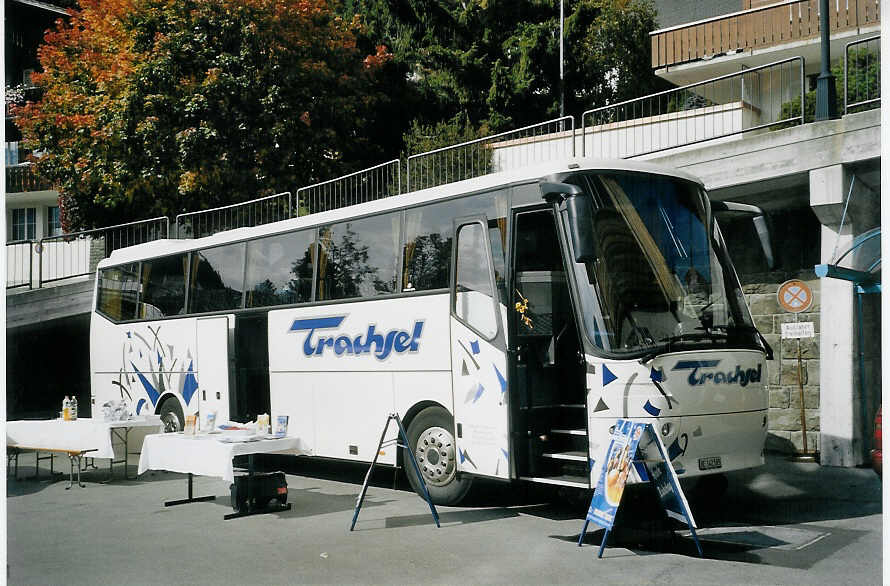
[826,93]
[562,83]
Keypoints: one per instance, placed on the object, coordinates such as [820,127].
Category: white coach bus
[508,319]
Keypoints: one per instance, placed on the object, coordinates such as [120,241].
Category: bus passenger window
[279,269]
[163,286]
[358,258]
[473,301]
[217,279]
[118,287]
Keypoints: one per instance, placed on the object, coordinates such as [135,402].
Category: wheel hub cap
[435,456]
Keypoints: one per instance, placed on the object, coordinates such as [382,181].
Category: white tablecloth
[205,454]
[82,434]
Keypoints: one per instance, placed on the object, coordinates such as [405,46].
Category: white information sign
[804,329]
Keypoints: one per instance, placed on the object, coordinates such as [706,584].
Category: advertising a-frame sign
[635,445]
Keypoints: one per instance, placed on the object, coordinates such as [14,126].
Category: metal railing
[862,75]
[536,143]
[746,101]
[19,266]
[76,254]
[757,28]
[255,212]
[368,184]
[24,177]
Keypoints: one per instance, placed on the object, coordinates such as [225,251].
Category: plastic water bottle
[66,409]
[73,408]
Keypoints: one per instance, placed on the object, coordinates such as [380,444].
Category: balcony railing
[862,75]
[24,177]
[67,256]
[758,28]
[255,212]
[751,100]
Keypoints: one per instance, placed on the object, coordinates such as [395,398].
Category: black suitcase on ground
[264,488]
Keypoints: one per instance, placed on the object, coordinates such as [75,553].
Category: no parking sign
[795,296]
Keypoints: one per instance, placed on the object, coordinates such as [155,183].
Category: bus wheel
[171,415]
[431,440]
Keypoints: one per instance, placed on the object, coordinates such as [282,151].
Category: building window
[53,221]
[24,224]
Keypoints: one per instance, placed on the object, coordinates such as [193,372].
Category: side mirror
[578,209]
[729,208]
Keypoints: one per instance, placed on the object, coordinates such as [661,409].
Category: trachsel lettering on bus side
[382,344]
[704,371]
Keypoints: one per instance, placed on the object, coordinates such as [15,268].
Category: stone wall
[796,241]
[785,429]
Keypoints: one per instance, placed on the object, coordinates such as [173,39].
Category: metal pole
[826,93]
[562,84]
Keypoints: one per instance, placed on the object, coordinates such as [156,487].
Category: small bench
[13,451]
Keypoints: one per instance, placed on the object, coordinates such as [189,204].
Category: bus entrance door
[478,358]
[213,365]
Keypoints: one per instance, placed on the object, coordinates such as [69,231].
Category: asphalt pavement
[784,523]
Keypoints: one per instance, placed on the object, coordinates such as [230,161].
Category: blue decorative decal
[651,409]
[379,344]
[139,406]
[506,455]
[152,393]
[474,346]
[465,457]
[479,390]
[160,360]
[501,379]
[656,375]
[130,335]
[608,375]
[190,385]
[675,450]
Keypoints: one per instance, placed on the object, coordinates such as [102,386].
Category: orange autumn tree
[155,107]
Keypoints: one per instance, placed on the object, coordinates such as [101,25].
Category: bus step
[574,456]
[576,481]
[582,432]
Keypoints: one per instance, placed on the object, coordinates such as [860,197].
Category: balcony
[718,45]
[24,177]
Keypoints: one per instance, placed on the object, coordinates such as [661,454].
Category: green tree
[161,106]
[497,61]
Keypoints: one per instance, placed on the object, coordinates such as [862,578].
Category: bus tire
[431,440]
[171,415]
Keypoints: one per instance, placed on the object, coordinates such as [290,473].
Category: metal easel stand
[404,436]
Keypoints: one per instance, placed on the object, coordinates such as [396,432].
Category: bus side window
[118,287]
[163,284]
[217,278]
[429,233]
[474,297]
[279,269]
[358,258]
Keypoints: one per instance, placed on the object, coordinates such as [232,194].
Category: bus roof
[166,247]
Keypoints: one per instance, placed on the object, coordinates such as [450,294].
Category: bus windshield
[661,279]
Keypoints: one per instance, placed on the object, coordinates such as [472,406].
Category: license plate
[710,463]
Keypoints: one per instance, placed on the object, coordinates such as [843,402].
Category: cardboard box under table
[85,437]
[209,455]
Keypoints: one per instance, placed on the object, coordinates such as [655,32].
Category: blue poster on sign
[626,450]
[663,476]
[613,474]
